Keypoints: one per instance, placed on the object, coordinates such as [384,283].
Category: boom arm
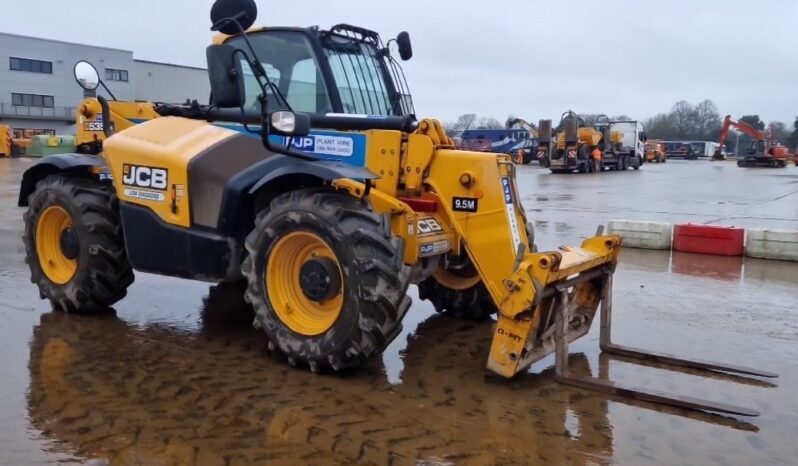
[742,126]
[523,124]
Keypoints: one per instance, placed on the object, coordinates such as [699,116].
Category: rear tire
[89,271]
[372,281]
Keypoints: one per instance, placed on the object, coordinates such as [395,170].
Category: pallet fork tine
[605,386]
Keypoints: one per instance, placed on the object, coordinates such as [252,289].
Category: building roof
[100,47]
[64,42]
[170,64]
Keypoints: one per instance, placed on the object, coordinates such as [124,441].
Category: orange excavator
[764,152]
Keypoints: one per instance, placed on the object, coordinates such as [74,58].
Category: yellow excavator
[309,177]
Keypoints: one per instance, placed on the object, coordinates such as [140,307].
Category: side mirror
[86,75]
[405,47]
[233,16]
[289,123]
[226,76]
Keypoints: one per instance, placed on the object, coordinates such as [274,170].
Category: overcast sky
[529,58]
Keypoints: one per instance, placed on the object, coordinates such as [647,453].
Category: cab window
[289,62]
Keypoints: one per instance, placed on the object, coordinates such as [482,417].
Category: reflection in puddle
[552,197]
[703,265]
[102,388]
[159,394]
[684,263]
[544,227]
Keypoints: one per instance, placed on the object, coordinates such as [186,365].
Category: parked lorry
[634,141]
[568,147]
[621,143]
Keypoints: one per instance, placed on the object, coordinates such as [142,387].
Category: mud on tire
[374,279]
[103,272]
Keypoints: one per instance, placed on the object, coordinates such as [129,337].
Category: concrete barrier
[643,235]
[719,240]
[772,244]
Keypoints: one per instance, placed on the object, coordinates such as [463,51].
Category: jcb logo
[145,177]
[427,226]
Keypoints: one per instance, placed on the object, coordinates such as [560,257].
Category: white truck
[634,140]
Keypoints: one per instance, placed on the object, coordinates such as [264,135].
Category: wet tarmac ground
[176,375]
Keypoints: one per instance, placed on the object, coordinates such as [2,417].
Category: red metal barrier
[709,239]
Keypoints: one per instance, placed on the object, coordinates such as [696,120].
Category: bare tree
[684,119]
[466,121]
[451,128]
[489,123]
[589,119]
[778,131]
[707,120]
[660,127]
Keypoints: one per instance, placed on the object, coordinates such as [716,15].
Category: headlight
[284,122]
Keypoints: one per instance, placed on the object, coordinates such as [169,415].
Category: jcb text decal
[428,226]
[145,177]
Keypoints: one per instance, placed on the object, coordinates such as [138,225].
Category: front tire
[326,279]
[74,244]
[458,292]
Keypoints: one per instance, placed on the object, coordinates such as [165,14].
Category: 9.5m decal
[464,204]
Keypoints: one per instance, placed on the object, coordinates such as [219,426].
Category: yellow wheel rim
[454,281]
[51,224]
[298,312]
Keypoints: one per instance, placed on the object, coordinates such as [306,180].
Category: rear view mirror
[405,47]
[233,16]
[86,75]
[226,76]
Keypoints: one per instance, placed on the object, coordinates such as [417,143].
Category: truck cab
[634,140]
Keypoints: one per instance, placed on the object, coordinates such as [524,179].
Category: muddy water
[176,375]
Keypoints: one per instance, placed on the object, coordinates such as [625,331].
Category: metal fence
[61,113]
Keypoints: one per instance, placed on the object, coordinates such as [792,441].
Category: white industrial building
[38,92]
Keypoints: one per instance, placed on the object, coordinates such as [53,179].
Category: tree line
[700,122]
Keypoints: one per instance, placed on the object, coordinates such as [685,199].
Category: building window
[32,100]
[31,66]
[27,133]
[115,75]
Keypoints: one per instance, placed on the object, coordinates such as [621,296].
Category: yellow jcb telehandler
[309,177]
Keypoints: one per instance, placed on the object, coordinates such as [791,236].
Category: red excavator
[764,152]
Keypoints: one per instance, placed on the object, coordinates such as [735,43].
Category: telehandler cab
[309,176]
